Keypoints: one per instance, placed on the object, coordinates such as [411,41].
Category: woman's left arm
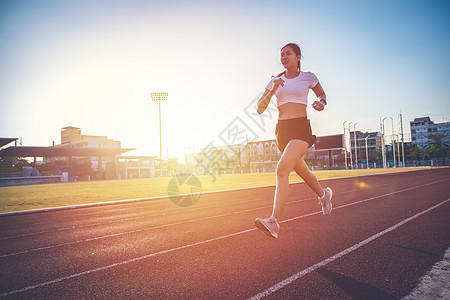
[320,104]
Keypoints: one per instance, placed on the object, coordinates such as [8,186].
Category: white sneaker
[269,226]
[325,201]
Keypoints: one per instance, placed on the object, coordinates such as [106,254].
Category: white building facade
[422,128]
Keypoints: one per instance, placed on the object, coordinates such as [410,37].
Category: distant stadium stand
[9,171]
[46,173]
[46,169]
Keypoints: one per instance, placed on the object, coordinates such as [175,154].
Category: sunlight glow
[362,185]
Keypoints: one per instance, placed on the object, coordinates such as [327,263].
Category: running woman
[293,132]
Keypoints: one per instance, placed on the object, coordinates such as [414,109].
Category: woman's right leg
[302,170]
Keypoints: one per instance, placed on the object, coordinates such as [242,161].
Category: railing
[8,181]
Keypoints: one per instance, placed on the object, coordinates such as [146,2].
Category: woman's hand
[318,105]
[276,84]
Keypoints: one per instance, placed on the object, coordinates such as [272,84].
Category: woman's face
[288,58]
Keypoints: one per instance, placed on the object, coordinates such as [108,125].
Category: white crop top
[295,89]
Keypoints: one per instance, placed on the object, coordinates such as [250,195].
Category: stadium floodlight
[160,97]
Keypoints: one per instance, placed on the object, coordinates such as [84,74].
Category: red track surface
[153,249]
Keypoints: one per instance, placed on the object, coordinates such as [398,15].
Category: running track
[384,233]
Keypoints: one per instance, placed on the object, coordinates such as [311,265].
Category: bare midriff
[291,110]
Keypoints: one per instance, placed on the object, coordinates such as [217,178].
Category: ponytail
[282,73]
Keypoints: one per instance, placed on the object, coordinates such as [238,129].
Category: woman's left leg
[291,154]
[293,151]
[324,194]
[302,170]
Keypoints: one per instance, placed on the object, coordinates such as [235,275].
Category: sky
[93,65]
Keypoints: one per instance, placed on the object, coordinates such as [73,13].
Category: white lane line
[160,198]
[144,216]
[372,198]
[155,215]
[324,262]
[182,247]
[162,226]
[128,232]
[146,229]
[31,287]
[204,218]
[140,216]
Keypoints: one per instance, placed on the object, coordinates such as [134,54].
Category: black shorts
[294,129]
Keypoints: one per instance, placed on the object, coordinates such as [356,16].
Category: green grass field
[19,198]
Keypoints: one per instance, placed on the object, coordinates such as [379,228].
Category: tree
[438,146]
[412,152]
[375,156]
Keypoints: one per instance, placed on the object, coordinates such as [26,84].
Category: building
[215,159]
[422,128]
[257,156]
[89,167]
[259,151]
[261,156]
[71,136]
[358,146]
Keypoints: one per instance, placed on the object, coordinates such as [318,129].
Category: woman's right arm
[263,102]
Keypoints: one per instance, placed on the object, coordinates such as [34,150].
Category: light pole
[403,148]
[160,97]
[345,145]
[350,139]
[393,140]
[384,147]
[398,150]
[356,150]
[381,141]
[367,154]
